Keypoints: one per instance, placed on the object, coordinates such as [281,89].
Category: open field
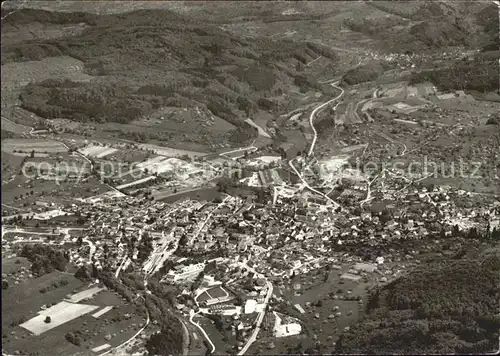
[102,312]
[240,152]
[11,164]
[17,192]
[129,155]
[97,151]
[169,196]
[169,152]
[23,117]
[28,145]
[17,75]
[11,265]
[118,319]
[85,294]
[317,320]
[59,314]
[91,331]
[8,125]
[25,300]
[221,347]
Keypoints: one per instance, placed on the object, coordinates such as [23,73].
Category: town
[283,193]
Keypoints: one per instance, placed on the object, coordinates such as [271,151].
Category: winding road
[316,110]
[191,316]
[315,138]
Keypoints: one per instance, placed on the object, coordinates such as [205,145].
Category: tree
[183,240]
[47,319]
[167,342]
[197,282]
[32,154]
[44,258]
[74,339]
[82,274]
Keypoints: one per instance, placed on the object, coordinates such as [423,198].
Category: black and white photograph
[196,178]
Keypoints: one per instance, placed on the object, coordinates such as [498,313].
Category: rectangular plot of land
[97,151]
[59,314]
[102,311]
[106,152]
[216,292]
[75,298]
[13,127]
[101,348]
[28,145]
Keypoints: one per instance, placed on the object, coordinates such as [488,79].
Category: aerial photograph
[204,178]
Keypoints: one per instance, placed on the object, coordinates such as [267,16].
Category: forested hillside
[148,59]
[443,307]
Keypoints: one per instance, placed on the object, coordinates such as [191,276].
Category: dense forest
[44,259]
[480,74]
[429,25]
[368,72]
[442,307]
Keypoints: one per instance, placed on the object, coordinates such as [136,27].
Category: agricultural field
[8,125]
[24,117]
[11,165]
[170,195]
[61,313]
[170,152]
[23,192]
[15,76]
[97,151]
[24,300]
[26,146]
[107,320]
[129,155]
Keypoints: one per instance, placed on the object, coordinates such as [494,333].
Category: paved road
[191,316]
[260,318]
[131,339]
[315,111]
[290,163]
